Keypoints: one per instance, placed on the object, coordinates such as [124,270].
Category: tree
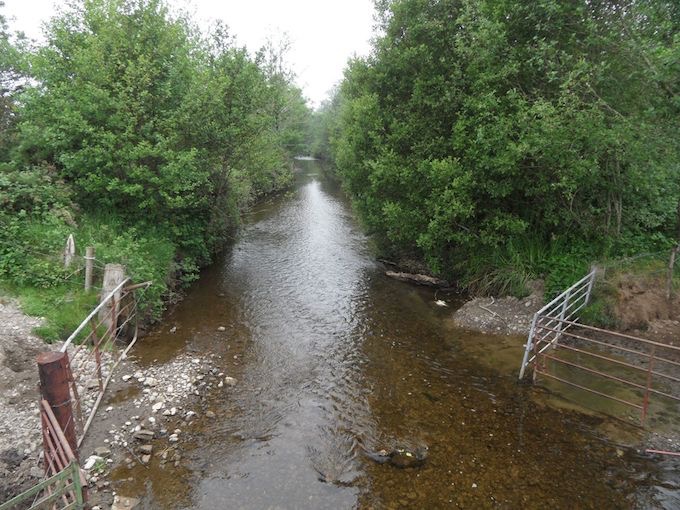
[477,123]
[146,118]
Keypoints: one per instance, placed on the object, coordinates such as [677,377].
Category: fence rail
[97,346]
[52,491]
[642,368]
[616,366]
[64,486]
[560,313]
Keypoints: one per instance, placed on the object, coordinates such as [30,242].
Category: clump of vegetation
[142,137]
[500,141]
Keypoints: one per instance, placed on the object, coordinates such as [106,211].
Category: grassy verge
[31,269]
[508,269]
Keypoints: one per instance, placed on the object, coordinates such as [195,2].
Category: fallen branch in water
[419,279]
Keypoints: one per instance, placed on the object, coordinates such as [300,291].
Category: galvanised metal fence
[550,322]
[64,486]
[63,491]
[616,366]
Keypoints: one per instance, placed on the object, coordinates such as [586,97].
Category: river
[336,362]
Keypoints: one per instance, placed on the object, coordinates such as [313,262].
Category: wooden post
[55,374]
[89,266]
[114,274]
[69,251]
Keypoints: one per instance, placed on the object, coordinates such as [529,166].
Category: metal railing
[64,485]
[641,368]
[97,346]
[551,321]
[51,492]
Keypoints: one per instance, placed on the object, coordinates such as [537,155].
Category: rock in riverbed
[400,457]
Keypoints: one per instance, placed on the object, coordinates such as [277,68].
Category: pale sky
[323,33]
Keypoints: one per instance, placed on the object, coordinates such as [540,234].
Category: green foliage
[63,308]
[145,118]
[476,124]
[140,136]
[599,313]
[147,254]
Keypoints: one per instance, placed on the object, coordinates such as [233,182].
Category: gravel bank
[499,316]
[20,441]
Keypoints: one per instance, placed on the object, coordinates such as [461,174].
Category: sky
[323,33]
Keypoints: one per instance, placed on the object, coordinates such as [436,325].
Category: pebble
[102,451]
[143,435]
[91,461]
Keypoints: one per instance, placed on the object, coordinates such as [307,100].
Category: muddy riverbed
[337,366]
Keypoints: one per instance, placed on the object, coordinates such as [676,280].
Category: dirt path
[20,442]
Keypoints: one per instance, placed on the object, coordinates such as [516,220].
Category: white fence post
[528,347]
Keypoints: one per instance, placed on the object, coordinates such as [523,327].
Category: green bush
[472,126]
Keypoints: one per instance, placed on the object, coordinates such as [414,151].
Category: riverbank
[147,414]
[20,439]
[147,418]
[500,316]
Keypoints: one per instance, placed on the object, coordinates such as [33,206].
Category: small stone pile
[169,398]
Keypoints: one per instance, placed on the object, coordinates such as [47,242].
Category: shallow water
[336,362]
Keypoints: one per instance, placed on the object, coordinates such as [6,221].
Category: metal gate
[622,368]
[551,321]
[96,348]
[64,486]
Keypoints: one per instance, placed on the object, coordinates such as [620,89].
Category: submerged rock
[143,435]
[399,457]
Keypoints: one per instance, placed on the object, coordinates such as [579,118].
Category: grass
[508,269]
[63,308]
[31,270]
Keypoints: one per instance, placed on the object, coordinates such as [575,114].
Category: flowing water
[336,362]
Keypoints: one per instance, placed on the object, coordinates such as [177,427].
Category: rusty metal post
[648,385]
[53,368]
